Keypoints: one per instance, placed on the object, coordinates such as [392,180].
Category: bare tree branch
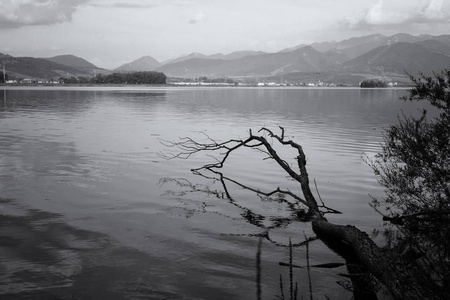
[403,280]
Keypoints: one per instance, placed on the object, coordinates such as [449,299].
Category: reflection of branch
[249,215]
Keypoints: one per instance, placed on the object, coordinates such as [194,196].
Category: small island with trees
[147,77]
[373,83]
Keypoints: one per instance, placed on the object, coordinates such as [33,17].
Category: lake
[90,210]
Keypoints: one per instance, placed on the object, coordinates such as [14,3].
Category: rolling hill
[72,61]
[78,63]
[40,68]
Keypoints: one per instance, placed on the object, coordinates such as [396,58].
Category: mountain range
[347,61]
[368,56]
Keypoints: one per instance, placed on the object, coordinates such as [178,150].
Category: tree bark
[402,280]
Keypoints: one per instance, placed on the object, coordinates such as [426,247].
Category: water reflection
[88,159]
[70,102]
[43,258]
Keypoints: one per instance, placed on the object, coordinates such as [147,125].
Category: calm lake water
[90,211]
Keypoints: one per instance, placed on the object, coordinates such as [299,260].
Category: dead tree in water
[403,279]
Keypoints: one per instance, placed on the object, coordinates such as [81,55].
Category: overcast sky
[109,33]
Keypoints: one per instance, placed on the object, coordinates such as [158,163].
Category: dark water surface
[89,210]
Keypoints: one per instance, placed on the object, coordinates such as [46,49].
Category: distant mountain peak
[145,63]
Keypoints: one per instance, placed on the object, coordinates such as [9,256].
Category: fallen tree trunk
[403,280]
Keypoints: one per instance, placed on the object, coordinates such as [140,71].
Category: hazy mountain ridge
[417,53]
[399,57]
[436,46]
[367,56]
[230,56]
[304,59]
[357,46]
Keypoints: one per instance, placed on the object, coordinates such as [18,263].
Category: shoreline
[174,87]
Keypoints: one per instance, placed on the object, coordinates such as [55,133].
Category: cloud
[129,4]
[185,3]
[435,11]
[198,18]
[18,13]
[395,13]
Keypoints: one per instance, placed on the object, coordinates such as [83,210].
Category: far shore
[173,86]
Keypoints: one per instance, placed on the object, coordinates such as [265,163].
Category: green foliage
[68,80]
[119,78]
[131,78]
[83,80]
[414,168]
[372,83]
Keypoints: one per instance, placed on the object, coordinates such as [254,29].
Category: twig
[291,279]
[289,265]
[258,270]
[330,210]
[323,266]
[318,194]
[308,268]
[281,288]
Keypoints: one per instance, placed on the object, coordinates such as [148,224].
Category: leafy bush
[414,168]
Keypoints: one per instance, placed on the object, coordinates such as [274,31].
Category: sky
[109,33]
